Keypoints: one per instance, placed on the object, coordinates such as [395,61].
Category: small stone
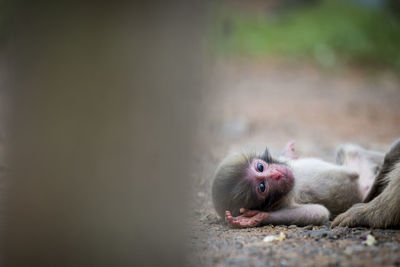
[391,245]
[378,234]
[292,226]
[359,228]
[308,227]
[238,245]
[332,236]
[327,224]
[378,260]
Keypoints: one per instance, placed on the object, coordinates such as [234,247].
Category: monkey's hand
[249,218]
[355,216]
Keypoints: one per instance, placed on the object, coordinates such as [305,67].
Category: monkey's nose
[275,174]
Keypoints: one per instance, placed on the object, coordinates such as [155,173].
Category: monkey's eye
[262,187]
[260,167]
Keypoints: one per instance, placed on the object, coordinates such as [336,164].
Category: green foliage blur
[331,33]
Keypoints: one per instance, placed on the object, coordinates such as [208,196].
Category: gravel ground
[253,104]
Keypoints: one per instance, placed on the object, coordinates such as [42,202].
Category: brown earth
[253,104]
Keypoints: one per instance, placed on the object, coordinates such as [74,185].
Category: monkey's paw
[249,218]
[355,216]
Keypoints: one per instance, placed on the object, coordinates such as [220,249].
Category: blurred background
[322,68]
[114,116]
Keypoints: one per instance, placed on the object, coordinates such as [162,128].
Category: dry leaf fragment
[370,241]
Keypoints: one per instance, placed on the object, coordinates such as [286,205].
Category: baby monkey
[252,190]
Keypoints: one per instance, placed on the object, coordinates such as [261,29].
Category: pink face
[270,180]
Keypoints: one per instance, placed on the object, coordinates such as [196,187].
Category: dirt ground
[253,104]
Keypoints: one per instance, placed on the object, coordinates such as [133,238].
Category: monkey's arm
[296,214]
[299,215]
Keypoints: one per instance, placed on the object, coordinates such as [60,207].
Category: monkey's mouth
[288,174]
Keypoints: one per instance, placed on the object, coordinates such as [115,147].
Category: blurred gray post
[104,106]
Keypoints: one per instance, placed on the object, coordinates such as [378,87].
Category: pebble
[328,224]
[352,249]
[357,232]
[332,236]
[317,234]
[378,234]
[378,260]
[238,245]
[392,246]
[308,227]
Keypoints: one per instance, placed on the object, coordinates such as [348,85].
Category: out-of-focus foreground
[102,118]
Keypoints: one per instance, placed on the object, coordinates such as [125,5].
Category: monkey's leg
[391,157]
[382,212]
[304,214]
[366,163]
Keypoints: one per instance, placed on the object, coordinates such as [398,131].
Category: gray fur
[327,184]
[382,209]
